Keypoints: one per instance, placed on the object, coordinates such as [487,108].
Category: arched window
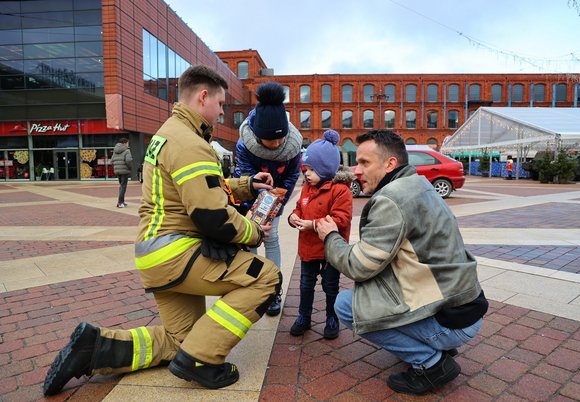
[390,92]
[561,93]
[411,93]
[305,119]
[347,93]
[453,93]
[432,142]
[347,119]
[304,93]
[496,93]
[474,92]
[389,119]
[411,119]
[411,141]
[517,93]
[326,94]
[432,93]
[242,70]
[432,117]
[326,118]
[238,119]
[368,119]
[286,89]
[539,93]
[368,93]
[453,119]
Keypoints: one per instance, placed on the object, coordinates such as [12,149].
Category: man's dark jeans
[330,284]
[123,180]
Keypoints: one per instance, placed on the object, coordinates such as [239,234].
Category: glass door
[67,165]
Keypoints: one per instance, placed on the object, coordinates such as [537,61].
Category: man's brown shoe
[420,381]
[74,360]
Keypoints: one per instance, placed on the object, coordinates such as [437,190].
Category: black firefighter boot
[74,360]
[211,376]
[419,381]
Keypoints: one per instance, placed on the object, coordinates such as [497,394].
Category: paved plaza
[66,256]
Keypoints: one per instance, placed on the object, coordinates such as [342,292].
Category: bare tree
[575,4]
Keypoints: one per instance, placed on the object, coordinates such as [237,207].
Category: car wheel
[355,188]
[443,187]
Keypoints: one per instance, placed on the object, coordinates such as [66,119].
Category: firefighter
[190,244]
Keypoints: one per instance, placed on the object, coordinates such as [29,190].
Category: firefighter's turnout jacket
[183,203]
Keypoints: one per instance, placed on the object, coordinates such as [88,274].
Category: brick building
[76,75]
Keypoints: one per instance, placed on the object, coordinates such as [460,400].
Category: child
[325,192]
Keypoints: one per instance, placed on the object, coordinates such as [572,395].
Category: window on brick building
[326,117]
[347,119]
[238,119]
[326,94]
[390,92]
[517,93]
[368,119]
[347,93]
[242,70]
[453,119]
[496,93]
[304,93]
[286,89]
[410,93]
[432,93]
[368,93]
[411,141]
[433,142]
[389,119]
[305,119]
[410,119]
[561,93]
[474,92]
[432,117]
[453,93]
[539,93]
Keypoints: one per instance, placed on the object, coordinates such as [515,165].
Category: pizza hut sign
[64,127]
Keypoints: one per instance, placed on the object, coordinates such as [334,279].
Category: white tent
[221,150]
[512,128]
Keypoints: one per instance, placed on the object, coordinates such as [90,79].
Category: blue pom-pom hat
[323,156]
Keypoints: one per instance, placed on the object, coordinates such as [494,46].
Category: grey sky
[393,36]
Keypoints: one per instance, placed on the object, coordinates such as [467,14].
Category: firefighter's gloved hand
[218,251]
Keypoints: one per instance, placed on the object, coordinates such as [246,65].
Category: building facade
[77,75]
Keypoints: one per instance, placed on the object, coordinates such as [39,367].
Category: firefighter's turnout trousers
[246,286]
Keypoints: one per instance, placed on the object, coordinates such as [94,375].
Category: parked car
[446,174]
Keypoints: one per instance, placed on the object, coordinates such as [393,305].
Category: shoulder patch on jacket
[153,149]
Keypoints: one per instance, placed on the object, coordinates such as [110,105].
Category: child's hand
[303,224]
[293,220]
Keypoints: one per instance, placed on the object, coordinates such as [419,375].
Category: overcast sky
[393,36]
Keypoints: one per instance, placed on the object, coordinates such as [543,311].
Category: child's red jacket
[332,198]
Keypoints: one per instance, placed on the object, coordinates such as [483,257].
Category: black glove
[218,251]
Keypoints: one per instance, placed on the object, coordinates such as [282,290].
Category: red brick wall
[123,24]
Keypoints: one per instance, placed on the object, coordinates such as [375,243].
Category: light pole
[380,97]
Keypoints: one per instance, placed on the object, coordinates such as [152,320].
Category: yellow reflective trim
[142,348]
[230,319]
[196,169]
[158,202]
[248,232]
[165,253]
[136,349]
[226,324]
[235,314]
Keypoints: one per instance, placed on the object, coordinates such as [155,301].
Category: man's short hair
[198,76]
[123,140]
[389,143]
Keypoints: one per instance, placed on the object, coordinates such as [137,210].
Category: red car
[444,173]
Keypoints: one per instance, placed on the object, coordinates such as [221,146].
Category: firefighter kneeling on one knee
[190,245]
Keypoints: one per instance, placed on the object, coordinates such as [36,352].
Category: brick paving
[15,249]
[519,355]
[559,258]
[22,196]
[63,214]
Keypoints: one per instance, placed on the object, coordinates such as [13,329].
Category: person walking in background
[122,162]
[509,167]
[270,143]
[326,192]
[416,292]
[188,246]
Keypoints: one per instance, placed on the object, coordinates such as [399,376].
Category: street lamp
[380,97]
